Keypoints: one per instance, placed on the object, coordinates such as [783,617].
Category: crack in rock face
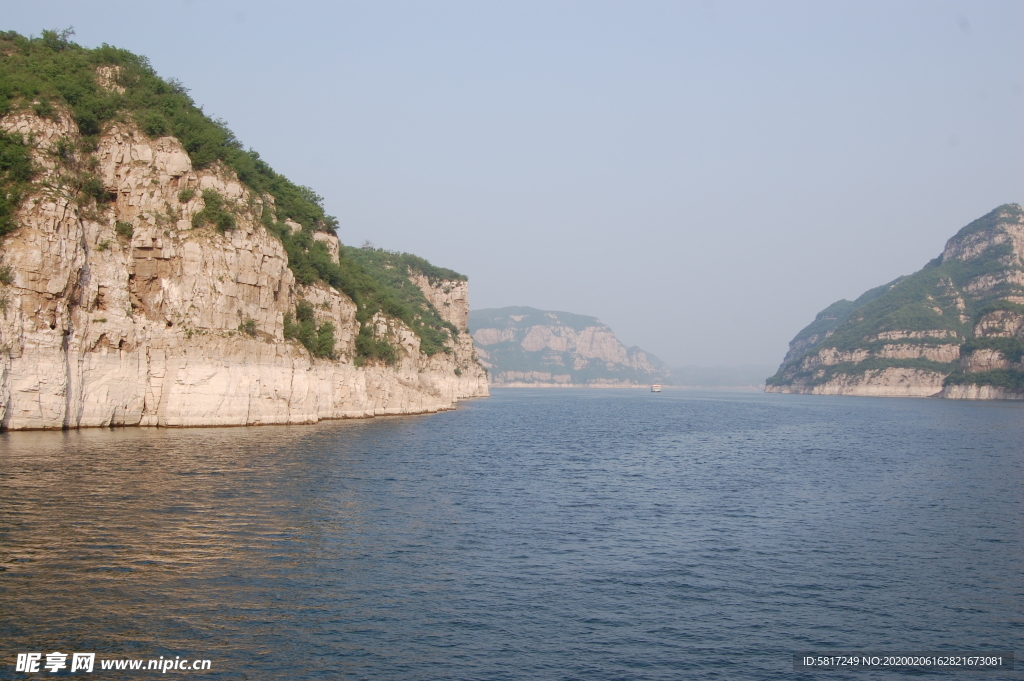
[126,313]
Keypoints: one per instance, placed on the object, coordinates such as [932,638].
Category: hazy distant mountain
[954,329]
[527,346]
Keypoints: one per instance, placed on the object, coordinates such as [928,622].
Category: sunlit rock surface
[955,329]
[102,329]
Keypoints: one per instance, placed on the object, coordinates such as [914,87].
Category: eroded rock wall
[889,382]
[124,313]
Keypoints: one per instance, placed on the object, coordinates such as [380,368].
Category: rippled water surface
[533,535]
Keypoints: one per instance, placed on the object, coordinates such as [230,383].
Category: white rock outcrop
[125,314]
[979,392]
[890,382]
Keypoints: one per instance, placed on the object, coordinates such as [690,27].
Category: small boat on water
[656,387]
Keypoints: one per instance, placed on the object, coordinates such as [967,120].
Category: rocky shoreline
[127,313]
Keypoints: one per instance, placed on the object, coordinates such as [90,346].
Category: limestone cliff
[525,346]
[954,329]
[135,301]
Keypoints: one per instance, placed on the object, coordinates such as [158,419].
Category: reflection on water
[159,542]
[600,534]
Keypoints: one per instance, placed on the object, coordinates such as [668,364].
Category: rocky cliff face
[955,329]
[525,346]
[122,311]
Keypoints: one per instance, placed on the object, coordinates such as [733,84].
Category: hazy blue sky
[703,176]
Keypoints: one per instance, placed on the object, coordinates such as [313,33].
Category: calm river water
[552,534]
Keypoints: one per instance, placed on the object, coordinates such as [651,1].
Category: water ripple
[533,535]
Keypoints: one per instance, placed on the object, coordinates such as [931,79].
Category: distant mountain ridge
[954,329]
[527,346]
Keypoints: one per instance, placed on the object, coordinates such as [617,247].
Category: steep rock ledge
[124,313]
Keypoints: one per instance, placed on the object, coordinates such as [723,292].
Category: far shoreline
[664,387]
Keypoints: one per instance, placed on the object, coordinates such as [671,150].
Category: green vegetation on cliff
[107,84]
[1012,349]
[16,173]
[50,71]
[827,373]
[302,326]
[939,305]
[396,296]
[1008,379]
